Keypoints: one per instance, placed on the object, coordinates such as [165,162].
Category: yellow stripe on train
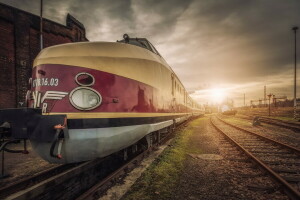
[87,115]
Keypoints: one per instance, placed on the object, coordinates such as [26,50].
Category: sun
[217,95]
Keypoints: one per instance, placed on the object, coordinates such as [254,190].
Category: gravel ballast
[212,168]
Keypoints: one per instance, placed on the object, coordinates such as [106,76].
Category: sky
[232,46]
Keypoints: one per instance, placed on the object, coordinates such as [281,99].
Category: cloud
[207,43]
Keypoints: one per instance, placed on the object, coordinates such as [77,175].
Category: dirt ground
[19,166]
[212,169]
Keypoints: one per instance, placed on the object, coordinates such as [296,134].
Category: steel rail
[295,150]
[28,182]
[33,191]
[277,122]
[292,192]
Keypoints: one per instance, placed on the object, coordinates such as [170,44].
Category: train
[88,100]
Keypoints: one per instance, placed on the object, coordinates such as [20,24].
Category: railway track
[281,161]
[64,183]
[277,122]
[84,180]
[280,134]
[71,180]
[37,178]
[98,189]
[281,123]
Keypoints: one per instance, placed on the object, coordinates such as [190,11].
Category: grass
[159,181]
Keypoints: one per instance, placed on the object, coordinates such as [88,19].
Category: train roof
[84,50]
[122,59]
[94,54]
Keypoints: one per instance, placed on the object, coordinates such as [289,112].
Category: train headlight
[84,98]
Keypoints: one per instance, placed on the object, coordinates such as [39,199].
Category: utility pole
[274,100]
[269,95]
[295,28]
[41,25]
[265,96]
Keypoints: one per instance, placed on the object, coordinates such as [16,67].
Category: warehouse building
[20,44]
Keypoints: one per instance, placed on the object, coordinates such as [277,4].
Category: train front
[82,105]
[66,93]
[59,97]
[61,117]
[67,85]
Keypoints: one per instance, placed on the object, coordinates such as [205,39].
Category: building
[20,44]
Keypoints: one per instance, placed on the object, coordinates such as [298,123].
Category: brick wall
[7,65]
[20,44]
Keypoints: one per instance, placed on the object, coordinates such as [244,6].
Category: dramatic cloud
[236,45]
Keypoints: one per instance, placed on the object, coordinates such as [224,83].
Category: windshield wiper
[141,43]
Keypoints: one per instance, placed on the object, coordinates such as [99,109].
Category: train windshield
[141,42]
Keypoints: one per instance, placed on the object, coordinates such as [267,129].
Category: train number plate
[45,82]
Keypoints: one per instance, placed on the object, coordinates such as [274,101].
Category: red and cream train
[92,99]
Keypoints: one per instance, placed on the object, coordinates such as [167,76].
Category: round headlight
[84,98]
[84,79]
